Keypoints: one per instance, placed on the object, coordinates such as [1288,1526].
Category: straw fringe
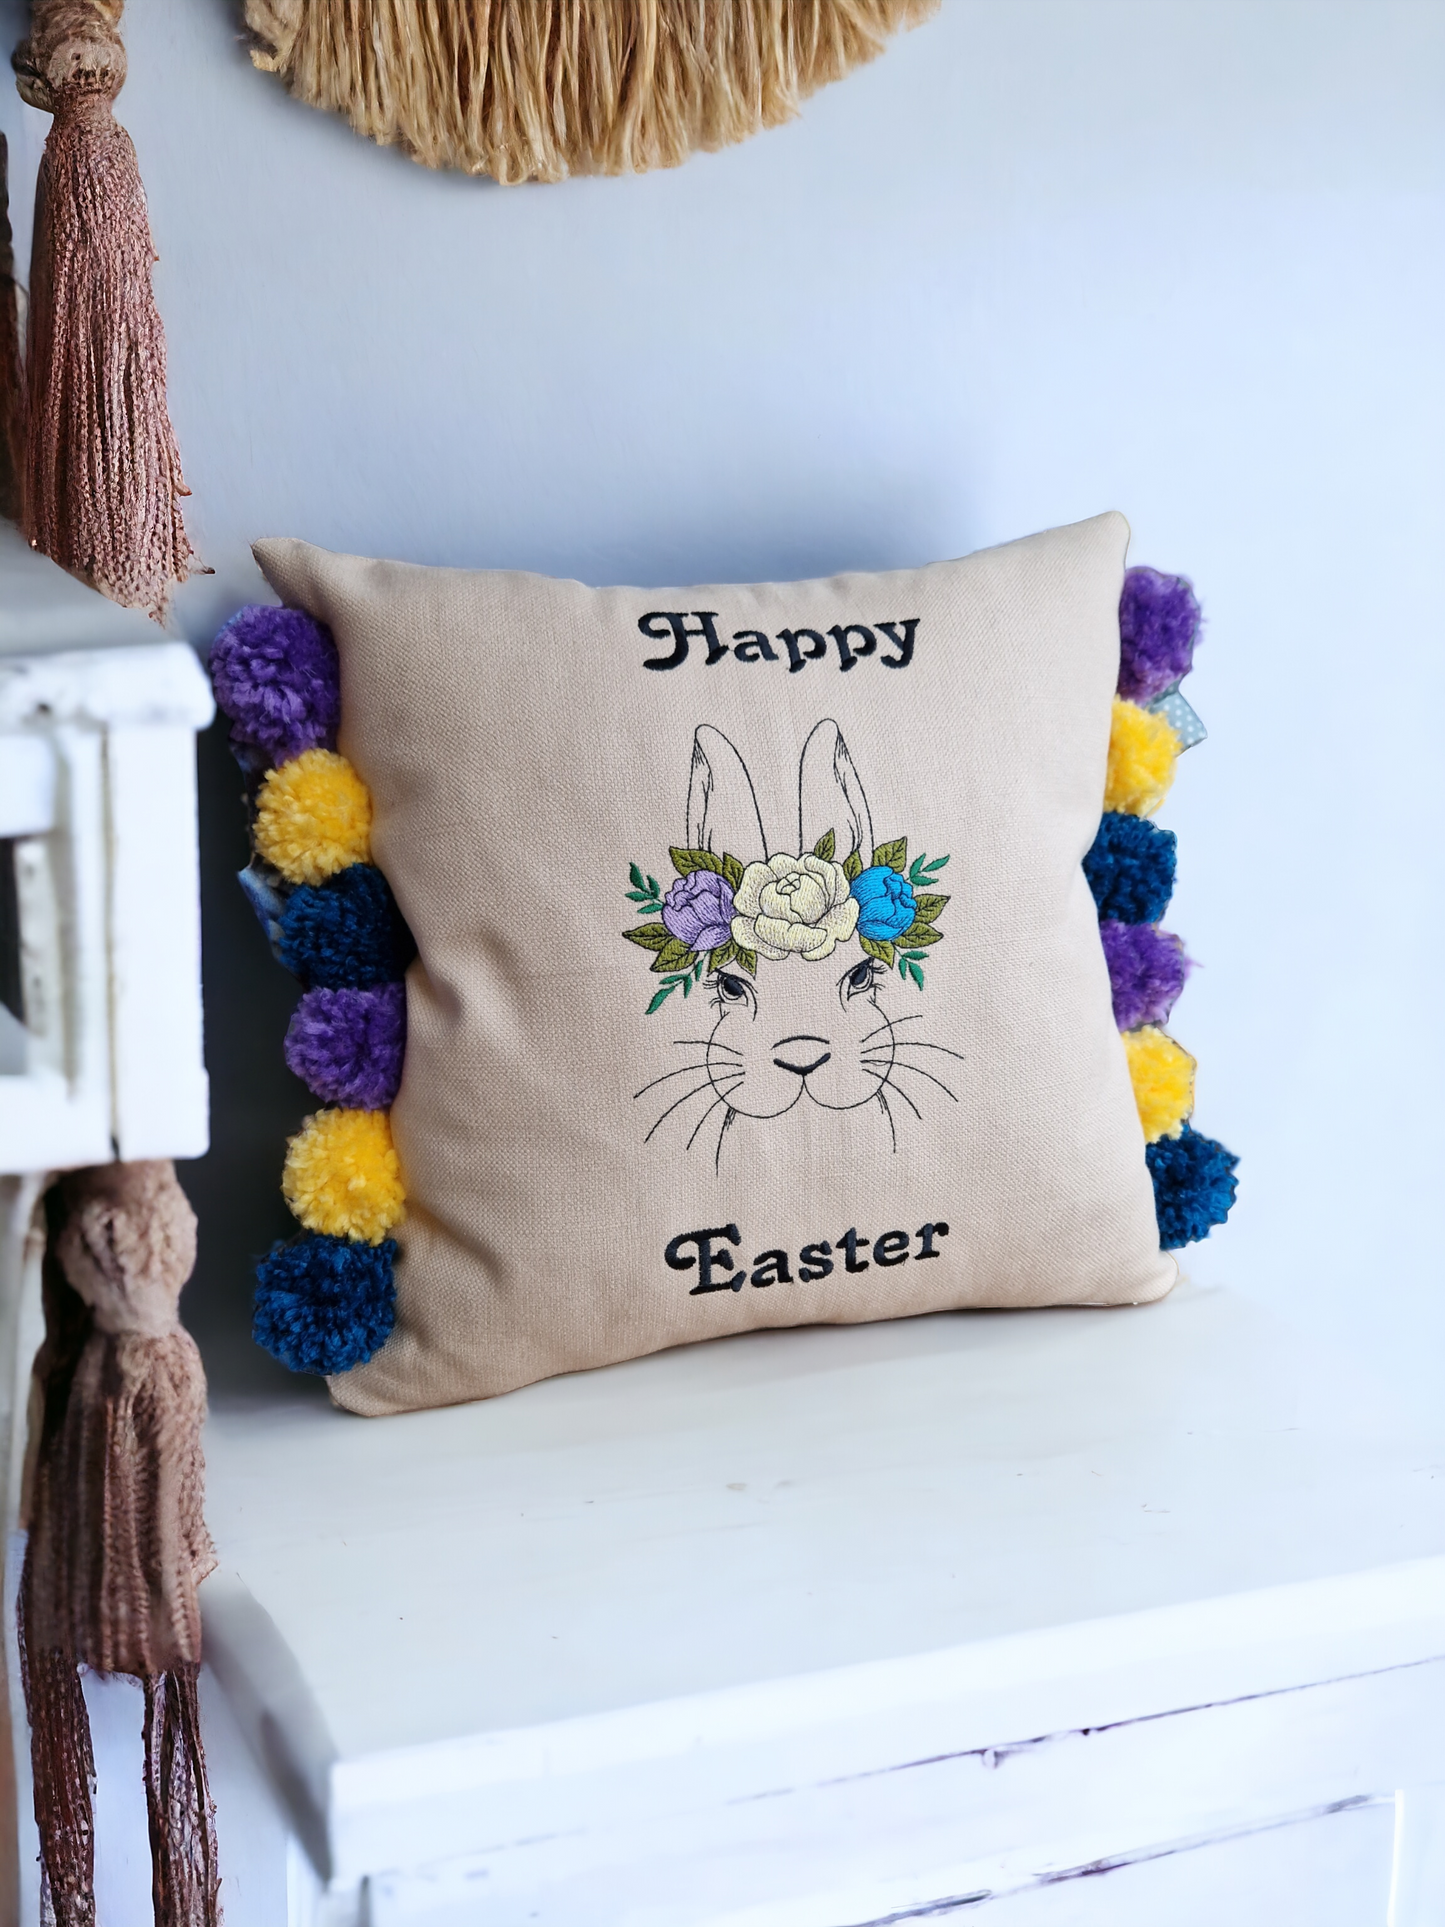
[537,90]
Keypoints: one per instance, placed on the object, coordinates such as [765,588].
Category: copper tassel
[12,398]
[117,1544]
[102,474]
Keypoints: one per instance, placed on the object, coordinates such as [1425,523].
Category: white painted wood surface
[822,1627]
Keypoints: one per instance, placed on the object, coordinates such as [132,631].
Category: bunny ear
[722,806]
[830,795]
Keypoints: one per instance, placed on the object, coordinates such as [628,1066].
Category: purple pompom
[347,1045]
[276,675]
[1158,626]
[1147,968]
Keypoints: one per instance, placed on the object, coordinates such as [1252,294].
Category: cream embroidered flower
[793,906]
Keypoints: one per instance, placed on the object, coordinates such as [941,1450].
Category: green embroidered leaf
[929,908]
[922,933]
[653,885]
[853,866]
[884,952]
[921,872]
[826,844]
[674,955]
[720,958]
[747,960]
[894,855]
[635,877]
[651,936]
[642,897]
[662,996]
[732,870]
[916,974]
[686,861]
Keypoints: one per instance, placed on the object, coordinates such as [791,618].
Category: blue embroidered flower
[886,903]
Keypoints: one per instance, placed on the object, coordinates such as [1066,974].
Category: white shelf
[538,1639]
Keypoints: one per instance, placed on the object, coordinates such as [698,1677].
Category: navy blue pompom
[1131,869]
[1194,1186]
[346,933]
[325,1304]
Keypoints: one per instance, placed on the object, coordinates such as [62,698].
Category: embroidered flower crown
[720,914]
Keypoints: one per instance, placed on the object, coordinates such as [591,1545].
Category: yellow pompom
[1163,1077]
[313,817]
[343,1177]
[1143,749]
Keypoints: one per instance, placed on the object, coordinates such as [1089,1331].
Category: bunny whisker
[892,1129]
[912,1043]
[892,1023]
[686,1070]
[729,1118]
[708,1043]
[720,1099]
[899,1065]
[696,1091]
[899,1091]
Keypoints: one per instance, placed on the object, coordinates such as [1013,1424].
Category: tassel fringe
[117,1544]
[537,90]
[102,476]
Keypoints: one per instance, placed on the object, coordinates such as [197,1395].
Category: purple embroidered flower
[698,910]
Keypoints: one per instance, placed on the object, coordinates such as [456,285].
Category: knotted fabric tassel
[12,404]
[117,1542]
[102,474]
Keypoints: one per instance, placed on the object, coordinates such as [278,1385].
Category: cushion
[752,971]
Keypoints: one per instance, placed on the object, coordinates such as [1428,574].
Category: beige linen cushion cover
[521,757]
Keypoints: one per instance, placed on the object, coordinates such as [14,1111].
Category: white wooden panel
[60,1113]
[1417,1894]
[160,1092]
[27,784]
[1333,1871]
[864,1846]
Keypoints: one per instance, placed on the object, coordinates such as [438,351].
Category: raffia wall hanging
[102,482]
[537,90]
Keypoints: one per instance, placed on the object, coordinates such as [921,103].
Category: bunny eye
[859,979]
[731,989]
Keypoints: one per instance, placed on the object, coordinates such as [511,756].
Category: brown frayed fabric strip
[117,1542]
[537,90]
[102,475]
[185,1880]
[12,402]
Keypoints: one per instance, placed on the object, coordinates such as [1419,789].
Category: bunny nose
[801,1070]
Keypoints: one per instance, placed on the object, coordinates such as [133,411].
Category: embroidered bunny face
[792,954]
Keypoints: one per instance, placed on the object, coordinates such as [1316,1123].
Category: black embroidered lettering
[674,623]
[707,1260]
[790,638]
[926,1235]
[753,646]
[772,1269]
[891,1248]
[815,1262]
[850,1242]
[840,633]
[903,643]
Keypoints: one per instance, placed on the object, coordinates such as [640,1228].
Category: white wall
[1181,257]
